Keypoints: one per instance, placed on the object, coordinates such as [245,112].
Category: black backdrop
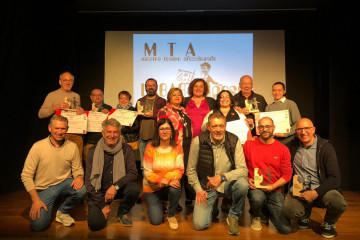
[41,39]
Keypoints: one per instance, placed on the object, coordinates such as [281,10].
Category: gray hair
[112,122]
[58,118]
[72,76]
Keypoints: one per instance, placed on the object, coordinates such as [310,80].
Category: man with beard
[216,168]
[271,159]
[151,103]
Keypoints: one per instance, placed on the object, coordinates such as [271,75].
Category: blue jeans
[154,205]
[48,197]
[142,146]
[203,214]
[271,204]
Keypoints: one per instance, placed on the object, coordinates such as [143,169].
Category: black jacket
[327,164]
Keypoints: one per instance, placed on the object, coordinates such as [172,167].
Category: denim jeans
[142,146]
[203,214]
[128,193]
[335,203]
[154,205]
[271,204]
[48,197]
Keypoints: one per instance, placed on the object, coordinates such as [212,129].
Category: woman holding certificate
[282,103]
[163,168]
[182,125]
[130,134]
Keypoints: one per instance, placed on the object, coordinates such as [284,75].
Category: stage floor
[14,224]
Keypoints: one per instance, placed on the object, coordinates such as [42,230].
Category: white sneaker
[173,223]
[255,223]
[64,218]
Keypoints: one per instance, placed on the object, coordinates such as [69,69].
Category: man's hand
[61,106]
[201,197]
[175,183]
[77,183]
[106,211]
[251,183]
[250,122]
[214,182]
[310,195]
[110,194]
[268,189]
[105,111]
[79,111]
[36,208]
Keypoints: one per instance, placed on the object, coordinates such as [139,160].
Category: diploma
[280,119]
[95,120]
[77,123]
[125,117]
[239,128]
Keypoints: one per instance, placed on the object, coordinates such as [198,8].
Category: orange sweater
[161,163]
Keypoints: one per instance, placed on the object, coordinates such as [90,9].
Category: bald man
[315,162]
[98,105]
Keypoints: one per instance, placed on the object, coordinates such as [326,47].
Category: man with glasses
[151,103]
[315,162]
[64,99]
[269,160]
[98,105]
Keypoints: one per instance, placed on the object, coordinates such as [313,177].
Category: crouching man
[110,174]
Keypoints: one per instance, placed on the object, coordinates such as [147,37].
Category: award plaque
[94,108]
[68,102]
[252,105]
[259,179]
[140,108]
[297,186]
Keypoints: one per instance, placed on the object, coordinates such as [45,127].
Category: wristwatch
[116,187]
[223,178]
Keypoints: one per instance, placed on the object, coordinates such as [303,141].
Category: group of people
[183,144]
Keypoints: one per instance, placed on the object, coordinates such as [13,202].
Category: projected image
[175,59]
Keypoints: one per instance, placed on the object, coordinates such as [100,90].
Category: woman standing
[129,133]
[198,105]
[182,125]
[282,103]
[163,168]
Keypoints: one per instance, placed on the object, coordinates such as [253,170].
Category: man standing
[64,99]
[315,162]
[217,166]
[271,159]
[91,138]
[151,103]
[53,169]
[110,174]
[246,93]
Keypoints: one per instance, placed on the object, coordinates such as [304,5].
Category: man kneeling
[110,174]
[217,165]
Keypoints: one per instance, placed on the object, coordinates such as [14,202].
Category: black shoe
[188,203]
[303,223]
[179,208]
[328,230]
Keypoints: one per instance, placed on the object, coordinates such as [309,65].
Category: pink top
[197,115]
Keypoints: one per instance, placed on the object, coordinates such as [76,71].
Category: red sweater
[276,156]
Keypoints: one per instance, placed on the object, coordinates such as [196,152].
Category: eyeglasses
[164,129]
[67,80]
[265,127]
[150,85]
[307,129]
[96,95]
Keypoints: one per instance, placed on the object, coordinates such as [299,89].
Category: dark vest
[205,166]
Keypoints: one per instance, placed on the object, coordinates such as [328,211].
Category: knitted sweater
[161,163]
[46,165]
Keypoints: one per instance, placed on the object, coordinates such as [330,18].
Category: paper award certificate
[239,128]
[95,120]
[77,123]
[280,118]
[125,117]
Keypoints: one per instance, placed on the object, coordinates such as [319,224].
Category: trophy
[140,108]
[252,105]
[297,186]
[94,108]
[258,179]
